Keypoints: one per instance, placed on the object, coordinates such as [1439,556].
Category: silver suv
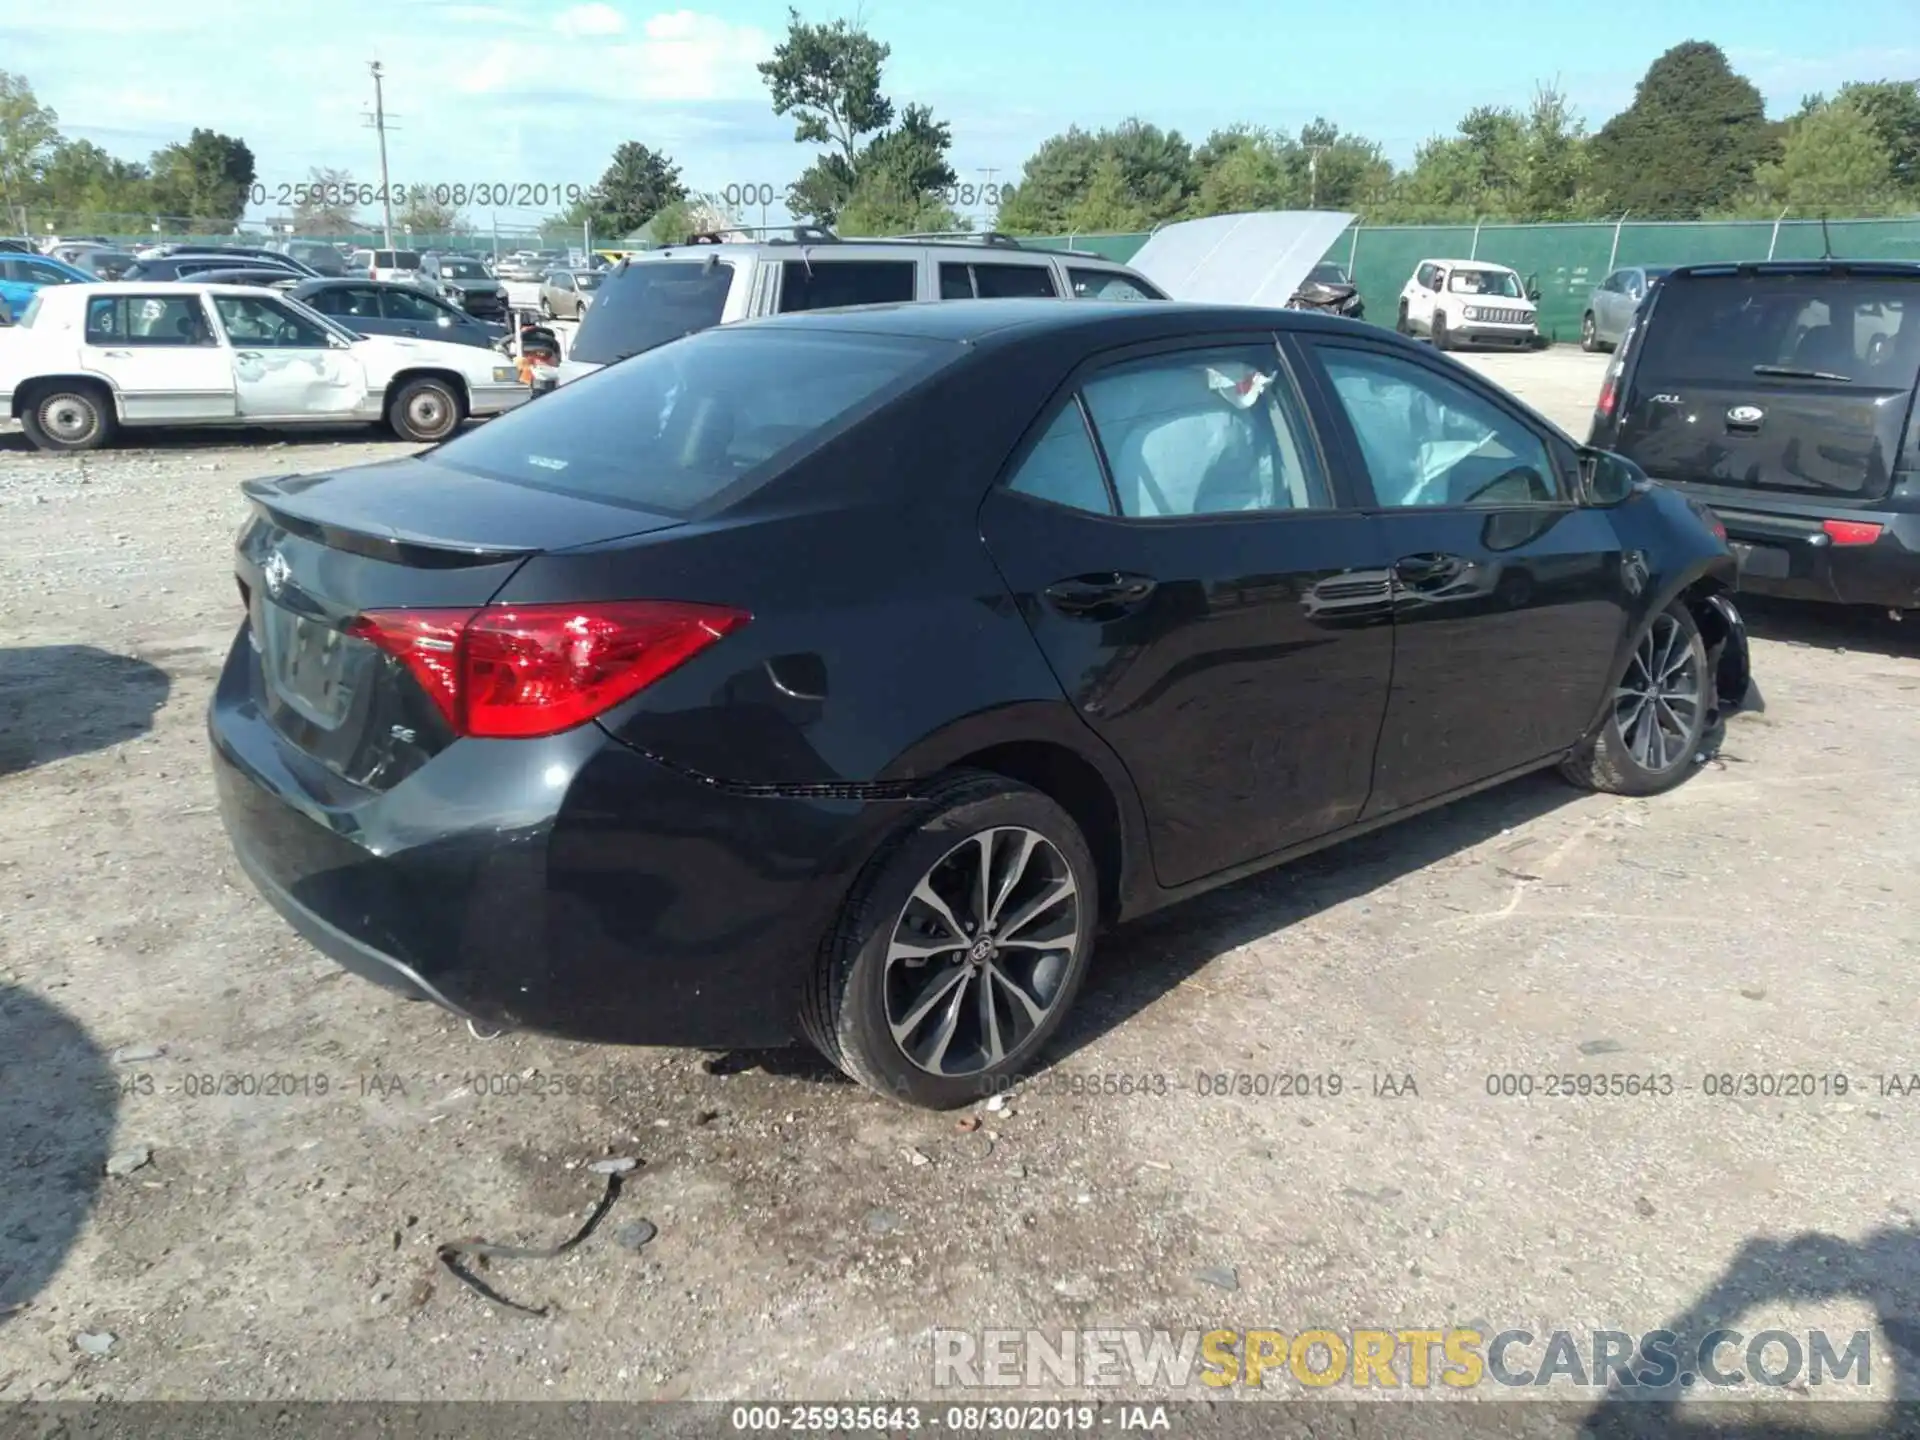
[660,295]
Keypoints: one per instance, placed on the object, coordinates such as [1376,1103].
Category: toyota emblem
[276,572]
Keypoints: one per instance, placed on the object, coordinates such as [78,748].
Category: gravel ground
[279,1242]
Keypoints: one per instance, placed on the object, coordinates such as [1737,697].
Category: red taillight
[1717,525]
[521,671]
[1851,532]
[1609,393]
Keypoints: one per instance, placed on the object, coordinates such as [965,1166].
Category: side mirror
[1606,479]
[444,321]
[1533,288]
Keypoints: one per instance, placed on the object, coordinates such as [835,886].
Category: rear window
[1110,285]
[1864,330]
[648,305]
[396,259]
[687,426]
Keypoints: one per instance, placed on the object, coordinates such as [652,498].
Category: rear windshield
[1863,330]
[648,305]
[463,270]
[396,259]
[686,425]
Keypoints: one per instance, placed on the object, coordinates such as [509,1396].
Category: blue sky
[517,91]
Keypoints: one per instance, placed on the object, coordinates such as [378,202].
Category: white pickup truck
[84,360]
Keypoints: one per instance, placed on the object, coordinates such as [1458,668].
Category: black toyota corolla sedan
[840,675]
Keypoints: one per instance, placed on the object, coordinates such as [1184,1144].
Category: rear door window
[1738,330]
[124,320]
[1109,285]
[694,425]
[649,304]
[828,284]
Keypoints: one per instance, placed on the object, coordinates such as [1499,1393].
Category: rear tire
[1589,335]
[426,411]
[902,1002]
[69,418]
[1657,721]
[1401,325]
[1441,339]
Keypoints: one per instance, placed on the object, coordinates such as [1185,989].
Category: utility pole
[380,125]
[988,171]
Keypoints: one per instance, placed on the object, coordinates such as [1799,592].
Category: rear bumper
[570,886]
[1787,555]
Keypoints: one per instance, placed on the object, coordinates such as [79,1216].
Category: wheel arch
[403,378]
[1046,746]
[26,393]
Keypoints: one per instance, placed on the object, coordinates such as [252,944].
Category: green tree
[424,215]
[637,185]
[1892,107]
[1554,182]
[323,210]
[28,133]
[1834,162]
[1244,168]
[209,178]
[1336,170]
[88,189]
[875,173]
[1052,182]
[1689,143]
[828,77]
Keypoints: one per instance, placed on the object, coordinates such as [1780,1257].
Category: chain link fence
[1570,259]
[134,230]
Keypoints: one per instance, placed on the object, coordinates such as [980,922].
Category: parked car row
[85,360]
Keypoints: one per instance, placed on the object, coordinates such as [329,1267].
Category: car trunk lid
[1786,384]
[321,552]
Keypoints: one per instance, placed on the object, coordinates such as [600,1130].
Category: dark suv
[1782,395]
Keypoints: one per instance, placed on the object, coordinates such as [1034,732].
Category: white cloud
[583,21]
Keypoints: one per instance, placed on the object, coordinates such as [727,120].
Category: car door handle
[1426,569]
[118,354]
[1089,596]
[248,355]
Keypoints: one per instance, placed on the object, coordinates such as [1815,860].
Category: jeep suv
[1782,395]
[1470,302]
[660,295]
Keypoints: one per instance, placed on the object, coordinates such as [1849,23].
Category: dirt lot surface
[270,1240]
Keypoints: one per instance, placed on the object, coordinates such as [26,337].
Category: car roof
[867,249]
[1753,269]
[146,288]
[990,321]
[1469,264]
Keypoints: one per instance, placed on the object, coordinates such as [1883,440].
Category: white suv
[660,295]
[1470,302]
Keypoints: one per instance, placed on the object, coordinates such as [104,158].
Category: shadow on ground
[222,437]
[61,700]
[1831,627]
[57,1107]
[1883,1270]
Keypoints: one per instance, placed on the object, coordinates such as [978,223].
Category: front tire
[960,948]
[1658,718]
[1442,339]
[1401,325]
[69,419]
[426,412]
[1589,334]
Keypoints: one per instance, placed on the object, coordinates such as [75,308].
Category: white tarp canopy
[1259,258]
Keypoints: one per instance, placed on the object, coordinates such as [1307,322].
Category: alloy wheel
[981,951]
[1658,702]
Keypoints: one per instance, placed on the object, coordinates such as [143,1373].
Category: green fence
[1569,260]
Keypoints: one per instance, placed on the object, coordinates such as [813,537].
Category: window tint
[1009,282]
[955,282]
[461,269]
[824,284]
[350,302]
[1205,432]
[1062,466]
[1716,329]
[119,320]
[560,280]
[682,425]
[402,304]
[396,259]
[649,304]
[1430,441]
[40,272]
[1109,285]
[254,321]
